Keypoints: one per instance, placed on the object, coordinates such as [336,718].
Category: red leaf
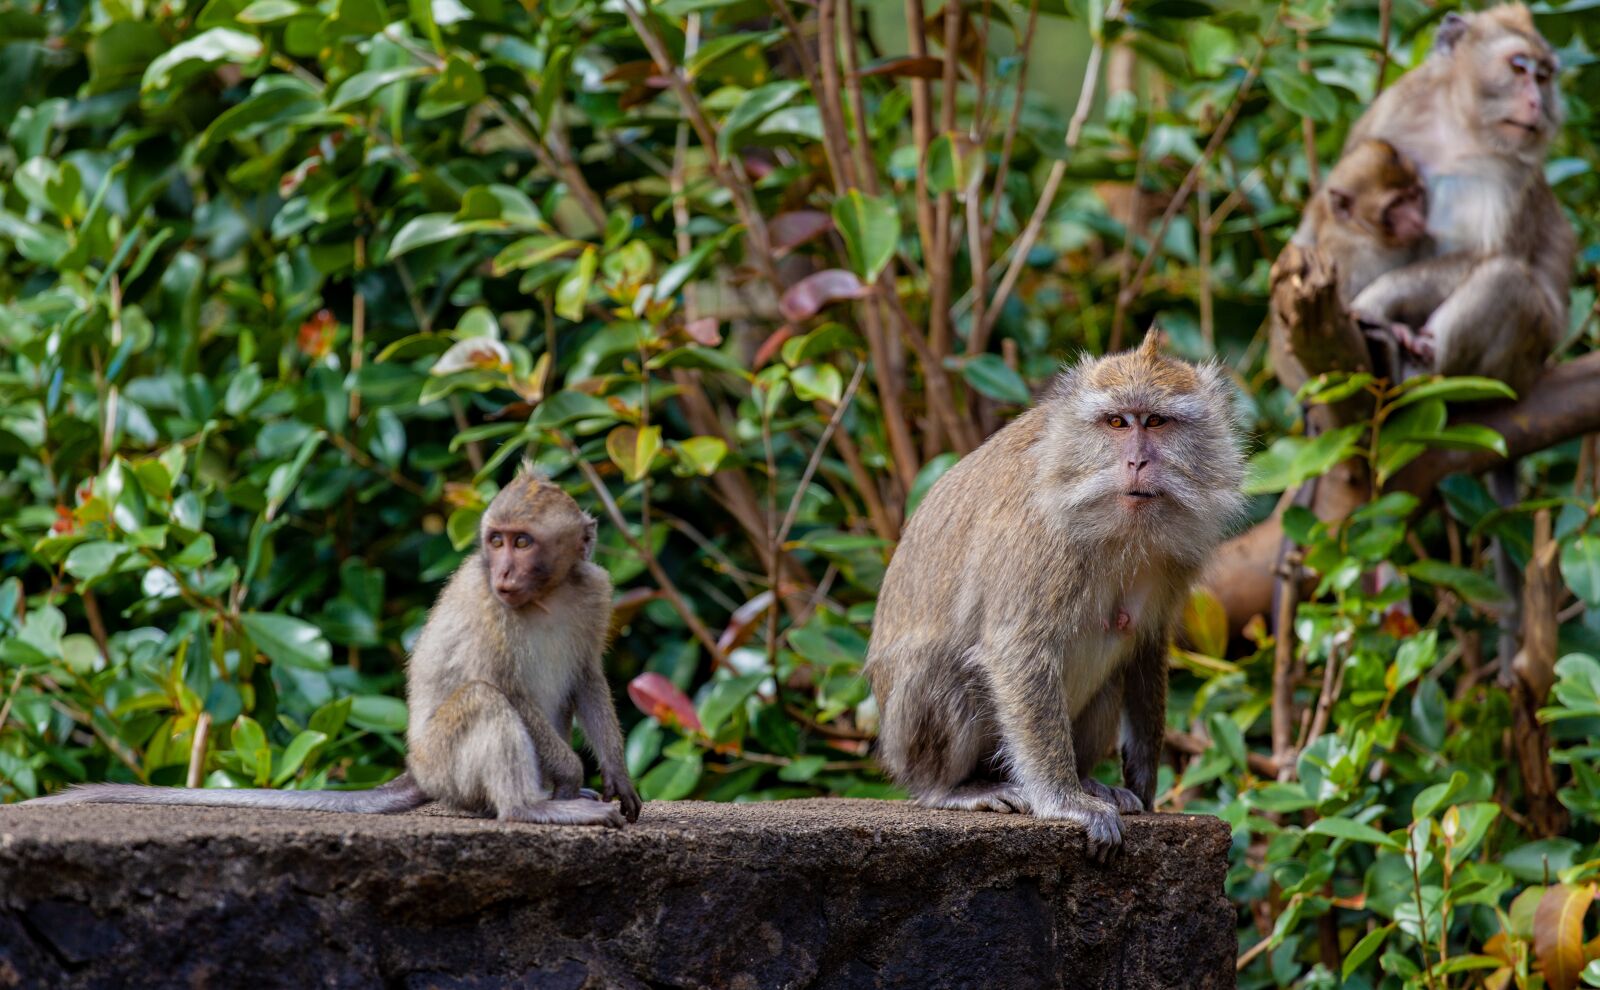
[65,522]
[743,622]
[703,331]
[790,230]
[770,346]
[661,700]
[759,168]
[316,334]
[807,297]
[911,66]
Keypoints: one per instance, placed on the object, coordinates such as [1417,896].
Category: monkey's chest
[1120,617]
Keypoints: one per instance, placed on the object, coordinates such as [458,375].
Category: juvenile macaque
[1477,117]
[510,653]
[1369,217]
[1026,615]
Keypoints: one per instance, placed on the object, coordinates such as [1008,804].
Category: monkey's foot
[1123,799]
[574,812]
[1418,343]
[1002,798]
[1097,816]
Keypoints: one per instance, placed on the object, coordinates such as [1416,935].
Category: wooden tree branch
[1533,672]
[1562,405]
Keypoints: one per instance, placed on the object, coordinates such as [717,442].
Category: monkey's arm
[1030,698]
[1410,294]
[598,719]
[1144,697]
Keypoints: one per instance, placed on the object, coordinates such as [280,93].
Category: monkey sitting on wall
[509,654]
[1477,117]
[1369,217]
[1026,614]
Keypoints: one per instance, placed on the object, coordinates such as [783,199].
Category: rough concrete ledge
[818,893]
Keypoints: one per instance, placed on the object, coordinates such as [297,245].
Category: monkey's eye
[523,541]
[1116,422]
[1152,421]
[496,540]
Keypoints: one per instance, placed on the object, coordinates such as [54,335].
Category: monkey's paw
[620,787]
[1124,800]
[1005,799]
[1099,818]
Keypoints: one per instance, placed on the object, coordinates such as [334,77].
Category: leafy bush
[290,284]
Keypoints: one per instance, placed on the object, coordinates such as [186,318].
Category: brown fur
[1477,117]
[998,654]
[492,690]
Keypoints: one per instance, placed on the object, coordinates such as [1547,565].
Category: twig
[197,749]
[1136,284]
[668,588]
[816,455]
[11,695]
[362,458]
[1030,233]
[1283,659]
[1385,18]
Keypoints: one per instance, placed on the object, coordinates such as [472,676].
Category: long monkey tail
[399,794]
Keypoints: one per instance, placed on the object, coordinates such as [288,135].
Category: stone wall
[820,893]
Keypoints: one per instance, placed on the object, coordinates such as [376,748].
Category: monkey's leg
[481,757]
[1094,736]
[1497,323]
[935,750]
[1031,708]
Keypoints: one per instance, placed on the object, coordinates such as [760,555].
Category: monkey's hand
[1097,816]
[1418,343]
[1124,800]
[617,785]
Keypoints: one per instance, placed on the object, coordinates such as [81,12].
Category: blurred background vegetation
[289,286]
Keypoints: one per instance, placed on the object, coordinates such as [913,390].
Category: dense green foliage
[291,286]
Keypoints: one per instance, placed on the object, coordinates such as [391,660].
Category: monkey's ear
[1341,202]
[586,545]
[1451,30]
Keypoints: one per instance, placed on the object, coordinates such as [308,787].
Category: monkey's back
[924,603]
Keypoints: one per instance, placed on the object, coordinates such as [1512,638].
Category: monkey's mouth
[1141,494]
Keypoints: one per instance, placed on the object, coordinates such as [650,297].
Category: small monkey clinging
[511,652]
[1025,618]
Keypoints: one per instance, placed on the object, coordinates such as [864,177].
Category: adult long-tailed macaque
[1028,608]
[1369,217]
[509,654]
[1477,117]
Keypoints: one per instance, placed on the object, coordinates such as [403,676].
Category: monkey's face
[1146,441]
[518,565]
[1513,89]
[1404,219]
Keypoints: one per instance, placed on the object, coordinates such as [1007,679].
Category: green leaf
[817,381]
[268,11]
[926,476]
[989,374]
[567,407]
[295,755]
[573,290]
[954,165]
[1469,584]
[870,227]
[1346,828]
[88,561]
[1302,94]
[363,85]
[1461,389]
[288,640]
[1580,567]
[1323,453]
[1333,387]
[633,449]
[534,250]
[679,272]
[378,713]
[250,743]
[754,105]
[725,697]
[429,228]
[702,454]
[671,779]
[208,47]
[1363,950]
